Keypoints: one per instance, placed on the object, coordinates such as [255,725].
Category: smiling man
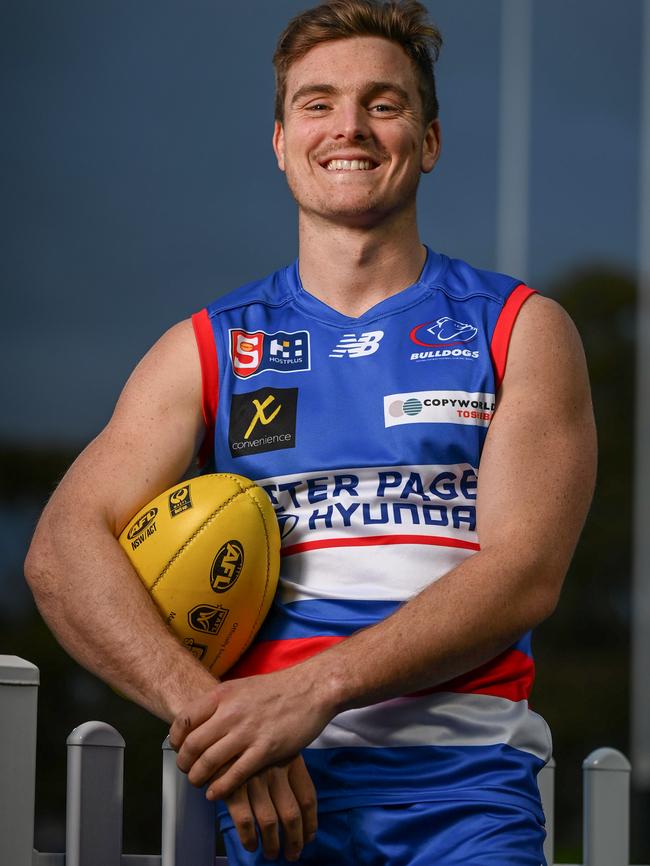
[425,434]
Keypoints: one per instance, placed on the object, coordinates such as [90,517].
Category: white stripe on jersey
[384,572]
[440,719]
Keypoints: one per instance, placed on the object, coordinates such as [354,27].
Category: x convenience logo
[260,413]
[262,420]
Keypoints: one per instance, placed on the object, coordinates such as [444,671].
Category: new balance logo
[356,347]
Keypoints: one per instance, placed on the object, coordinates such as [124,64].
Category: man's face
[353,142]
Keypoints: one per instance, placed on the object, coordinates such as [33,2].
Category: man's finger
[305,793]
[289,812]
[197,713]
[242,815]
[197,743]
[214,762]
[265,814]
[245,767]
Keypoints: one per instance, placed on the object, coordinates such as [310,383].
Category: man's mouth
[350,165]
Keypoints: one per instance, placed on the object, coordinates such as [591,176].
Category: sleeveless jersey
[366,434]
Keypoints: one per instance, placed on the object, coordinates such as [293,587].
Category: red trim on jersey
[503,330]
[268,656]
[370,540]
[210,377]
[509,675]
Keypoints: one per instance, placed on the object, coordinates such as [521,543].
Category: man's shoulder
[273,290]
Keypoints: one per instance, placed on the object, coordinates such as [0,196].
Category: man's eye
[317,106]
[383,108]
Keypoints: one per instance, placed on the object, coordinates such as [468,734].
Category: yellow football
[208,551]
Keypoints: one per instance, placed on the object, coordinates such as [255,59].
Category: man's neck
[352,269]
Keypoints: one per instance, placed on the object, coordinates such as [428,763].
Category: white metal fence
[94,795]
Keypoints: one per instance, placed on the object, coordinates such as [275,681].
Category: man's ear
[278,144]
[431,146]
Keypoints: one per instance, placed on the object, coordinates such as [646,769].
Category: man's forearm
[98,609]
[454,625]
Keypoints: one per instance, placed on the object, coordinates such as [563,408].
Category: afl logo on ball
[207,618]
[180,500]
[141,524]
[143,528]
[227,566]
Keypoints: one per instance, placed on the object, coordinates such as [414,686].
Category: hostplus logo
[443,339]
[357,347]
[252,352]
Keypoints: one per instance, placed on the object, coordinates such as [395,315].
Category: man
[362,387]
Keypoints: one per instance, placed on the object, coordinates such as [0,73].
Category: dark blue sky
[137,179]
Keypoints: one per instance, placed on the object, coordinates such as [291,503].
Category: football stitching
[251,495]
[209,519]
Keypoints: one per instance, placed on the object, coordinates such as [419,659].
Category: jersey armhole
[210,380]
[503,330]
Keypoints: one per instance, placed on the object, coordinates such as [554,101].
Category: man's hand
[243,726]
[278,797]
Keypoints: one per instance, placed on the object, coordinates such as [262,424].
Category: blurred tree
[583,650]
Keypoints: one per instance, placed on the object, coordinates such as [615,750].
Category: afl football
[208,551]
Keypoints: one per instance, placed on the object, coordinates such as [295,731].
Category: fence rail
[94,795]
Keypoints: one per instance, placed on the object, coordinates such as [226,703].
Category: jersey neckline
[407,297]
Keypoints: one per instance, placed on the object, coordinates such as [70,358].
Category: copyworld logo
[439,407]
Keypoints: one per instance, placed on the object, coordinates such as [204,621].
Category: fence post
[189,823]
[546,783]
[606,816]
[94,796]
[18,699]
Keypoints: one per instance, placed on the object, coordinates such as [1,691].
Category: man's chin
[352,213]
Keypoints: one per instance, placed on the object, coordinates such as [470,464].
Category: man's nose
[352,122]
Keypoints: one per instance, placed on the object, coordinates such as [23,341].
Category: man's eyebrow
[377,87]
[371,89]
[313,90]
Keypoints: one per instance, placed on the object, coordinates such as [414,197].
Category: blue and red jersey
[366,434]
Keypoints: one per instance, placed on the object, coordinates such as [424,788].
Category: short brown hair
[401,21]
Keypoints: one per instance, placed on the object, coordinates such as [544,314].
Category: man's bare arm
[82,581]
[536,482]
[94,601]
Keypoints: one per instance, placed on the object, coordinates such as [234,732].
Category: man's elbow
[40,564]
[545,596]
[35,567]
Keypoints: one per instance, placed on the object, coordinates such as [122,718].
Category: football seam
[250,491]
[199,529]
